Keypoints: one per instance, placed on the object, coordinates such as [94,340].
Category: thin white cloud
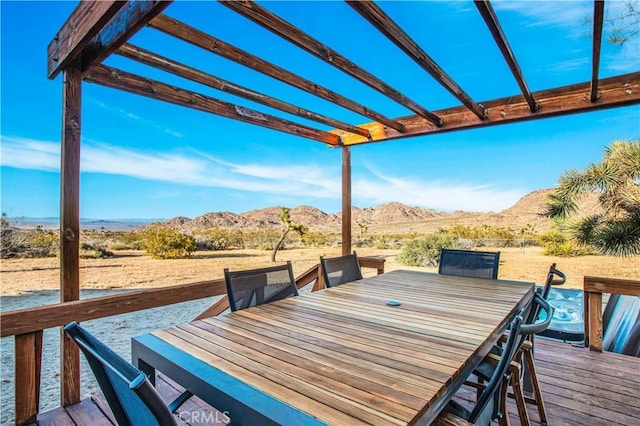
[291,180]
[132,116]
[438,195]
[568,14]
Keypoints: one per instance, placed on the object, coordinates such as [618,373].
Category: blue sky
[143,158]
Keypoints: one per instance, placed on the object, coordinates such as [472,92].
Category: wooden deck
[580,388]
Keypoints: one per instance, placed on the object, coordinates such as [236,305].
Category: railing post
[28,368]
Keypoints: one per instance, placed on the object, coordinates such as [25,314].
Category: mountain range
[387,218]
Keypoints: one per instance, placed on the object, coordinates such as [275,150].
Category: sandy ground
[33,282]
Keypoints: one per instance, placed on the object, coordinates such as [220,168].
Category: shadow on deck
[579,388]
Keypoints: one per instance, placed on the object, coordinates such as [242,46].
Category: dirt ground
[134,269]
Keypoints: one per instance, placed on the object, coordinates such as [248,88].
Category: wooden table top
[342,355]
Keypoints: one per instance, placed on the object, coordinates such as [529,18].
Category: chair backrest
[468,263]
[543,292]
[552,280]
[257,286]
[488,403]
[621,325]
[340,270]
[131,396]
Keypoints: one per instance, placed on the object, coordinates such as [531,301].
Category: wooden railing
[593,289]
[27,325]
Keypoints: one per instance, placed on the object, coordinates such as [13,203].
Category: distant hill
[386,218]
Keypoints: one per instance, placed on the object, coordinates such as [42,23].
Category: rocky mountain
[386,218]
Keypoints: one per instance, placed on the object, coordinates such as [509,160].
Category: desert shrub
[565,249]
[425,251]
[268,246]
[315,239]
[126,240]
[213,239]
[94,250]
[256,238]
[491,236]
[42,243]
[168,243]
[552,237]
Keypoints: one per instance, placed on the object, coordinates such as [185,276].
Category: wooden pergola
[97,29]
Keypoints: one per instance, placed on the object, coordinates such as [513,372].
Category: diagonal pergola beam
[192,35]
[598,21]
[294,35]
[387,26]
[97,28]
[131,18]
[86,20]
[163,63]
[614,92]
[490,18]
[128,82]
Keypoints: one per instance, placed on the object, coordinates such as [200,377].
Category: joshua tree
[288,226]
[616,230]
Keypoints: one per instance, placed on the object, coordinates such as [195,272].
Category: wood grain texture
[614,92]
[132,83]
[28,353]
[152,59]
[346,201]
[124,25]
[580,388]
[284,29]
[70,225]
[343,355]
[490,18]
[387,26]
[42,317]
[198,38]
[598,21]
[593,288]
[86,20]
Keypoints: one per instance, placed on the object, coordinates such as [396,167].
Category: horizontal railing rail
[593,289]
[27,325]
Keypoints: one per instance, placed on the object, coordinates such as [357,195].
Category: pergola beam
[383,22]
[490,18]
[211,44]
[614,92]
[157,61]
[287,31]
[134,16]
[598,21]
[118,79]
[86,20]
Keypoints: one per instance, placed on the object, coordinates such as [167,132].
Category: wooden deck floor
[579,387]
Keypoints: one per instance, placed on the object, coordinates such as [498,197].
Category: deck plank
[579,387]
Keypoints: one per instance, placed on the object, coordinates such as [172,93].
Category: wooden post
[70,226]
[346,200]
[594,304]
[28,363]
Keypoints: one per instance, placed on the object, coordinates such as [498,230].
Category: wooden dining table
[386,350]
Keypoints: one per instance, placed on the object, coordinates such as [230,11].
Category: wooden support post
[70,227]
[594,303]
[346,200]
[28,363]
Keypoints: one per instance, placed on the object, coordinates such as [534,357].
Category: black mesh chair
[524,353]
[489,404]
[340,270]
[257,286]
[131,396]
[467,263]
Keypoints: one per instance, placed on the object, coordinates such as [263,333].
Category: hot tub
[567,323]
